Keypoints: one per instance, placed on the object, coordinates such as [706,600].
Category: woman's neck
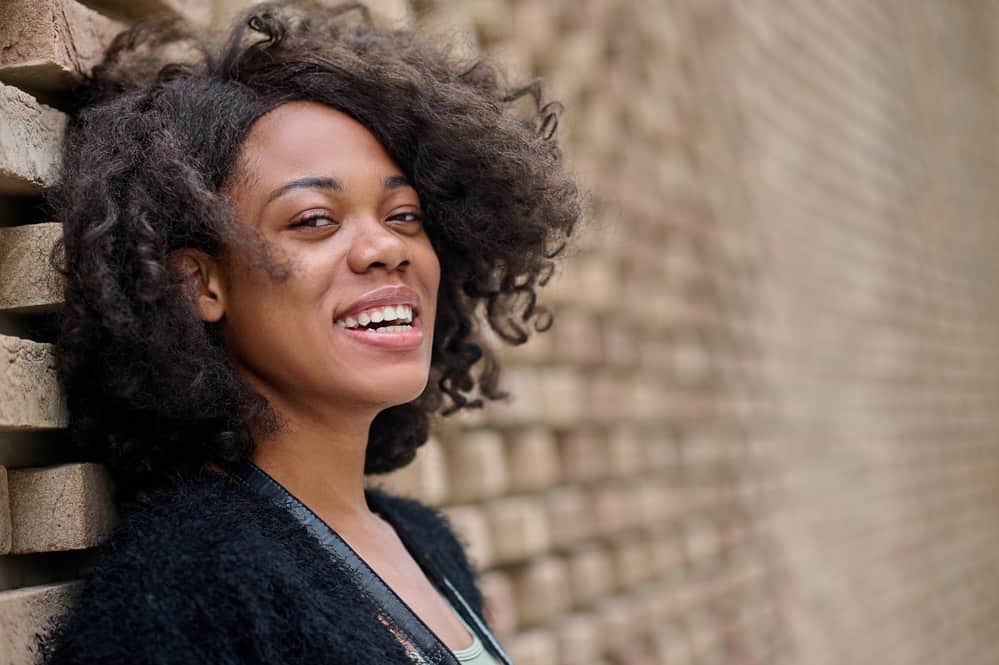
[322,465]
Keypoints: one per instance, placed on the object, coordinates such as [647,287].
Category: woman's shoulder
[188,561]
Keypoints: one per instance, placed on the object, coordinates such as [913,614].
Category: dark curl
[154,134]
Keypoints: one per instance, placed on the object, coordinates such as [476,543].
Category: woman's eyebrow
[396,181]
[308,182]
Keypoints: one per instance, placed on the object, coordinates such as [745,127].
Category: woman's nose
[375,245]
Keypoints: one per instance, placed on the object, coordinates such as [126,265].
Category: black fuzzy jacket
[211,573]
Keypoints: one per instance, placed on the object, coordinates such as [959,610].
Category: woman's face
[349,322]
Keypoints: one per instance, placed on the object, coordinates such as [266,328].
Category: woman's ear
[202,277]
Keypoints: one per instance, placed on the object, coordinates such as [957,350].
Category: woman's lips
[401,340]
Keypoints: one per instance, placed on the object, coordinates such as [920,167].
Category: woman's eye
[410,216]
[314,222]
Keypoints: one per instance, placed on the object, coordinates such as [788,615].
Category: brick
[500,606]
[570,515]
[655,502]
[476,466]
[196,11]
[4,513]
[541,588]
[701,541]
[518,526]
[578,637]
[583,455]
[532,647]
[48,45]
[470,524]
[626,452]
[30,138]
[26,612]
[425,478]
[619,618]
[57,508]
[611,509]
[578,338]
[563,395]
[27,282]
[607,397]
[391,13]
[532,459]
[586,281]
[620,344]
[29,390]
[591,571]
[524,407]
[634,562]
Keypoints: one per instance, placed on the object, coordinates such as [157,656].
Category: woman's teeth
[401,313]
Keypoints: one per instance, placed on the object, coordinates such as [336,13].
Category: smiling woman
[276,256]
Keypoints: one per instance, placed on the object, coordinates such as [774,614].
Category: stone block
[524,405]
[391,13]
[500,605]
[533,647]
[425,478]
[633,561]
[30,397]
[47,46]
[4,513]
[518,526]
[578,338]
[583,455]
[619,618]
[579,638]
[532,459]
[27,282]
[476,465]
[626,451]
[655,502]
[563,394]
[198,12]
[472,528]
[569,514]
[30,138]
[26,612]
[541,588]
[611,509]
[57,508]
[591,572]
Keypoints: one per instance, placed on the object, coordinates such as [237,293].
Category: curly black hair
[153,136]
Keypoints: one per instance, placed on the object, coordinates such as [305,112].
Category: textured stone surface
[541,588]
[47,45]
[519,527]
[472,528]
[66,507]
[30,134]
[27,281]
[500,605]
[30,397]
[477,465]
[197,11]
[532,459]
[24,612]
[4,513]
[532,647]
[591,571]
[425,478]
[579,638]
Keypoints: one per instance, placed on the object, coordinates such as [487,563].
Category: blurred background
[764,428]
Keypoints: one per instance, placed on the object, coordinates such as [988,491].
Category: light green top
[476,654]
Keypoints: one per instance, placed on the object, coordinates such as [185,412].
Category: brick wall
[762,428]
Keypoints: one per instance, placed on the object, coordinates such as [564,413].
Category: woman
[276,255]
